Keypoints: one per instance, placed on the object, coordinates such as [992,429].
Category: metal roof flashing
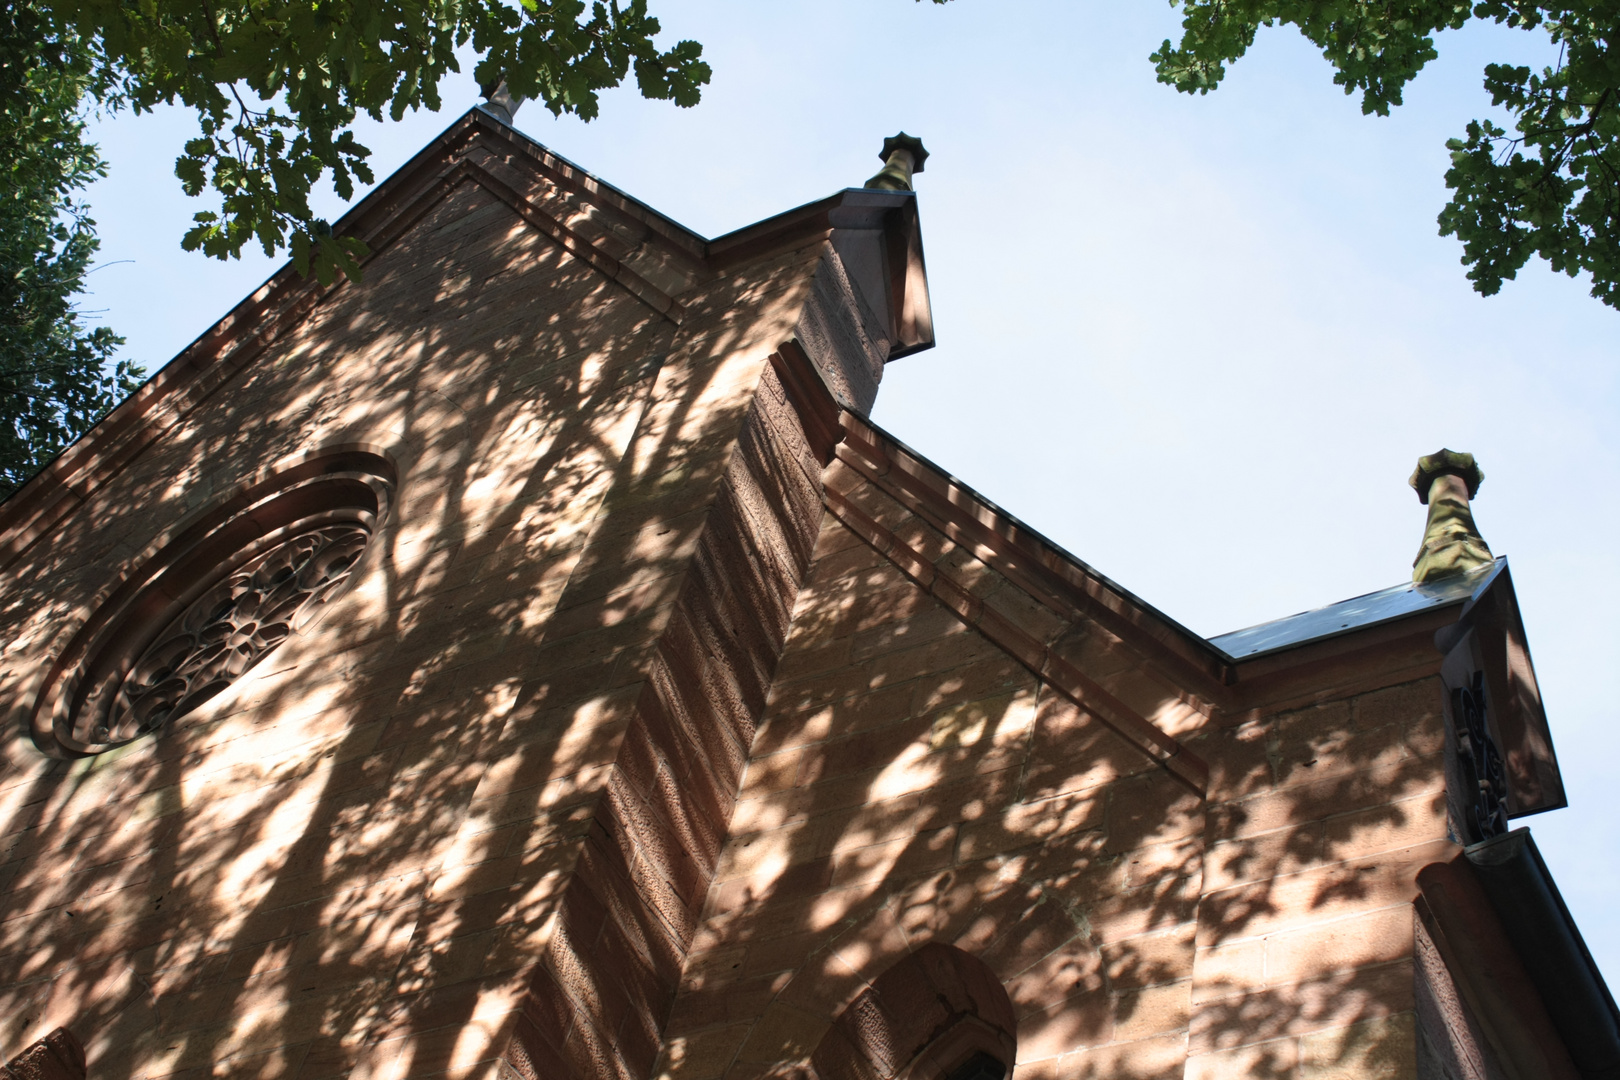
[1357,613]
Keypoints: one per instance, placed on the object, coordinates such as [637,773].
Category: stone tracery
[231,627]
[198,613]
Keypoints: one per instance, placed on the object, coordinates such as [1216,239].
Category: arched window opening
[981,1066]
[936,1014]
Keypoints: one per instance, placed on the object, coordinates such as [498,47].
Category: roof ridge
[1018,533]
[227,344]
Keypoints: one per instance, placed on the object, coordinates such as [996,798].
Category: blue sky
[1198,341]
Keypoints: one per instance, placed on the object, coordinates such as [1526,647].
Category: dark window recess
[980,1066]
[1484,784]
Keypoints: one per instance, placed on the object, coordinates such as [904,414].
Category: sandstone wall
[890,803]
[1319,819]
[677,724]
[920,778]
[350,862]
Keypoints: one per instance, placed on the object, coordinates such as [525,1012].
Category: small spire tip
[903,156]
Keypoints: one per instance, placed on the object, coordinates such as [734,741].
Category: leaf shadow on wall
[912,783]
[333,862]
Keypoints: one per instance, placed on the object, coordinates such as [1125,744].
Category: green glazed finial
[1446,463]
[903,155]
[1445,481]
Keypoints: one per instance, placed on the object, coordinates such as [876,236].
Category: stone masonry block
[1152,1011]
[1306,1008]
[1409,778]
[1317,895]
[1277,1059]
[1378,937]
[1385,1047]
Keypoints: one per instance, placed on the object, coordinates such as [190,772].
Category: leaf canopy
[56,374]
[277,85]
[1548,188]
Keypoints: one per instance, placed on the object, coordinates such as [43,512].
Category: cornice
[1041,659]
[859,453]
[1050,575]
[572,242]
[633,240]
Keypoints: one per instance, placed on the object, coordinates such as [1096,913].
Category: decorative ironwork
[1483,779]
[229,628]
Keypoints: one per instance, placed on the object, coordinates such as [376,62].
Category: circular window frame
[342,488]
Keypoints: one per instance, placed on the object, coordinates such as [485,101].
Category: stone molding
[74,707]
[623,239]
[1037,656]
[58,1056]
[1481,998]
[931,1012]
[1050,575]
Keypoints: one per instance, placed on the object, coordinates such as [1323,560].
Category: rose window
[211,605]
[230,627]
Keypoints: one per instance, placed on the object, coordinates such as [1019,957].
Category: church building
[529,662]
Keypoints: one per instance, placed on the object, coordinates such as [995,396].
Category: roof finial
[902,156]
[499,101]
[1451,543]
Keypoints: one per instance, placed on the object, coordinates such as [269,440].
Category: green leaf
[1549,189]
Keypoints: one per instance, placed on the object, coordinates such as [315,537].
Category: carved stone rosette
[230,628]
[211,604]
